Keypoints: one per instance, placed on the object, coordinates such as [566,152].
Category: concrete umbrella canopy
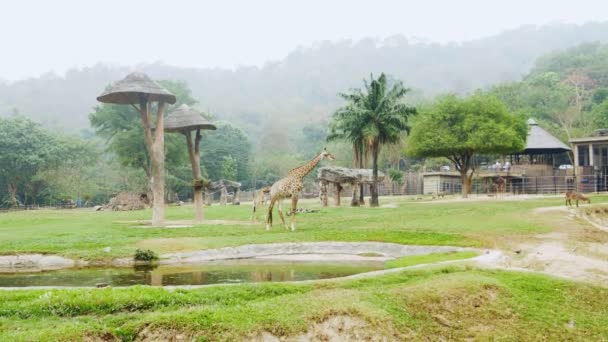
[186,120]
[139,91]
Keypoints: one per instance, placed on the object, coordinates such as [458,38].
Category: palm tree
[371,118]
[347,126]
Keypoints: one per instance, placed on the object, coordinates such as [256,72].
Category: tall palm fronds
[372,117]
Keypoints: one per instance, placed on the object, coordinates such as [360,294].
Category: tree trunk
[374,188]
[12,193]
[466,183]
[156,148]
[361,188]
[195,160]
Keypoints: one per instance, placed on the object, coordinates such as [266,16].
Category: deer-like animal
[577,196]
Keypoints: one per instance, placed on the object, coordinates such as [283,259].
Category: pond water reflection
[218,272]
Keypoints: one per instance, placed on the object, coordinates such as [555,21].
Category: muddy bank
[304,251]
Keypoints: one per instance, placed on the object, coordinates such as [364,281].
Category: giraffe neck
[302,171]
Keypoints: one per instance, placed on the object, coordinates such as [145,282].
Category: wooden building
[591,161]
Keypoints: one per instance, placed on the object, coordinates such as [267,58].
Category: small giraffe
[290,187]
[259,201]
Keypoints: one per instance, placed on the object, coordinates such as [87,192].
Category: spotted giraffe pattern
[290,187]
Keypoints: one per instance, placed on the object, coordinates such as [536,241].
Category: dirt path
[575,249]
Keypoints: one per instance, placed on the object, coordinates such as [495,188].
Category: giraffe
[259,201]
[290,187]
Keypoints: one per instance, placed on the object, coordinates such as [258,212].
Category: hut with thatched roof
[139,91]
[186,120]
[541,143]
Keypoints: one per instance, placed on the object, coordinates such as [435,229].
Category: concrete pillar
[323,193]
[208,197]
[236,200]
[354,202]
[590,154]
[338,194]
[223,196]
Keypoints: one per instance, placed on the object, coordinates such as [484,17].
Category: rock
[98,208]
[100,285]
[443,321]
[107,249]
[517,251]
[125,201]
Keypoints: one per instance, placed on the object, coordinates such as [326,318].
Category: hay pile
[129,201]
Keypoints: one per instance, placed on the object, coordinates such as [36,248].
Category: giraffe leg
[294,206]
[280,209]
[269,214]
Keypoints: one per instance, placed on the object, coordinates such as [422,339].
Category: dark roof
[131,88]
[540,141]
[185,119]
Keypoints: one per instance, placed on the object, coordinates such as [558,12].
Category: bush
[145,255]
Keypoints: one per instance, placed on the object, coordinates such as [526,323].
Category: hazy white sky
[40,36]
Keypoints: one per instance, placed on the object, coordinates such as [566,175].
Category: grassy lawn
[84,233]
[439,302]
[443,302]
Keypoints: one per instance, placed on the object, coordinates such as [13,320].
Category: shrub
[145,255]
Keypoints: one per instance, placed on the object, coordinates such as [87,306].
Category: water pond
[219,272]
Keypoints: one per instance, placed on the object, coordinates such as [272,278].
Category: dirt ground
[575,249]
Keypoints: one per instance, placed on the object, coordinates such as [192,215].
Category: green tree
[372,117]
[25,148]
[460,129]
[227,140]
[229,168]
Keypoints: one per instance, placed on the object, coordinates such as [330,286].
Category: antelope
[573,195]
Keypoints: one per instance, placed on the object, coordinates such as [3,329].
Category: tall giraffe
[290,187]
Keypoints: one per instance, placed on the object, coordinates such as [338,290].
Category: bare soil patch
[336,328]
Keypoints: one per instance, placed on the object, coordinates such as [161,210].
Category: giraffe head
[327,155]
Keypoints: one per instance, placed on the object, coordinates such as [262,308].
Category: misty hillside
[301,89]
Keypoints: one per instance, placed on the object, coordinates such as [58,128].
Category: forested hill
[301,89]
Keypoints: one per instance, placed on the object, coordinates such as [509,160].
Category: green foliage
[145,255]
[229,168]
[461,128]
[37,165]
[395,176]
[454,127]
[226,141]
[371,118]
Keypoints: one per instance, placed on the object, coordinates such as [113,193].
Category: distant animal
[577,196]
[499,185]
[303,210]
[290,187]
[259,200]
[439,194]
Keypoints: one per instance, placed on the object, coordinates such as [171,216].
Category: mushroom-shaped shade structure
[185,119]
[133,89]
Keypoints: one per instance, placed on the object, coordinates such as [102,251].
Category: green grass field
[437,302]
[84,233]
